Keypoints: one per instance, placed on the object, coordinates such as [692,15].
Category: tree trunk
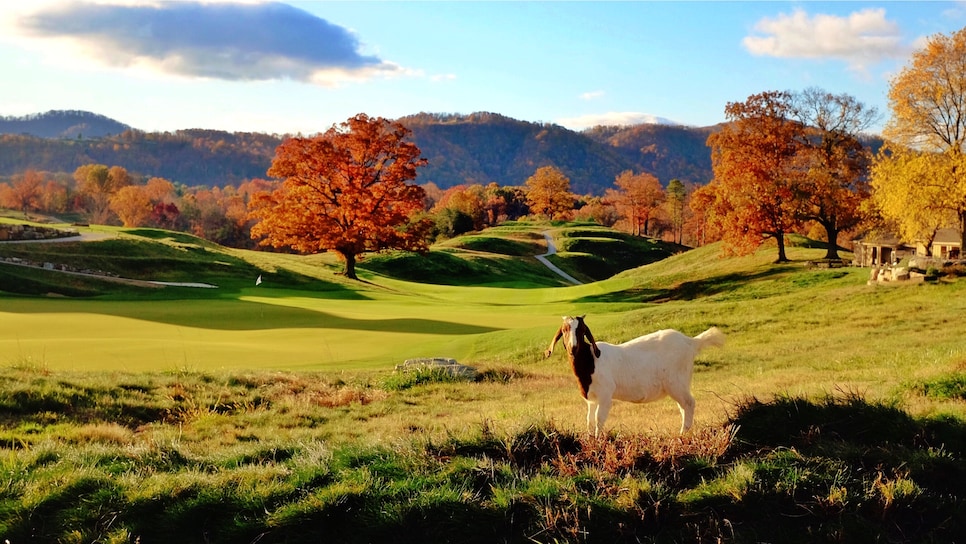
[962,234]
[780,238]
[832,234]
[350,266]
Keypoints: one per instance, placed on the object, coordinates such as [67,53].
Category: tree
[548,192]
[927,101]
[25,192]
[345,190]
[833,162]
[95,184]
[469,201]
[910,192]
[677,195]
[753,157]
[132,205]
[636,198]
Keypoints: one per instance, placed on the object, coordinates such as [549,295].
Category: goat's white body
[646,369]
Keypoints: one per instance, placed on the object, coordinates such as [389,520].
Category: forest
[460,149]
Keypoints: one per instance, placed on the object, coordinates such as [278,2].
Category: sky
[301,67]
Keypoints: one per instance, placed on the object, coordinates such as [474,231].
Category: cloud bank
[229,41]
[861,39]
[613,119]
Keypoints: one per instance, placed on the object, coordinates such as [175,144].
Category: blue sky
[299,67]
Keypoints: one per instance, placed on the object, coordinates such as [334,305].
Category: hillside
[666,151]
[62,124]
[272,412]
[485,147]
[192,157]
[461,149]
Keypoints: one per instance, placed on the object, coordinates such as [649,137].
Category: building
[887,249]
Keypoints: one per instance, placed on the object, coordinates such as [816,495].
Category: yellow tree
[548,192]
[96,183]
[927,101]
[345,190]
[636,198]
[910,192]
[132,205]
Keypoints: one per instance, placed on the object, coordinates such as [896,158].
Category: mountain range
[461,149]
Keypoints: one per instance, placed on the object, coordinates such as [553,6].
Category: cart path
[90,237]
[552,249]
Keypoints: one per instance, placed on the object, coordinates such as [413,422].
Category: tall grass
[243,458]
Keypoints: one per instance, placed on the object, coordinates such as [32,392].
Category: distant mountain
[192,157]
[62,124]
[460,149]
[486,147]
[667,151]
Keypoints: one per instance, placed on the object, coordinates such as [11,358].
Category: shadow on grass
[233,314]
[688,290]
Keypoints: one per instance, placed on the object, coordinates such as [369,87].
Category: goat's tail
[712,337]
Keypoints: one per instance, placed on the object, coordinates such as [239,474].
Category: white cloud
[861,39]
[612,119]
[235,41]
[592,95]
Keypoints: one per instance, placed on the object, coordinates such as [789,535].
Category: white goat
[644,369]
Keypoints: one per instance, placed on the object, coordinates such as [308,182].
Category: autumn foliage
[548,192]
[346,191]
[637,199]
[754,190]
[920,179]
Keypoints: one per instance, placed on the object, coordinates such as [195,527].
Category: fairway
[256,330]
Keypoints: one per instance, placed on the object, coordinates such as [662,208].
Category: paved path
[551,249]
[81,237]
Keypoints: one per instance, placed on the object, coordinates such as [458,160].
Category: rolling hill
[461,149]
[62,124]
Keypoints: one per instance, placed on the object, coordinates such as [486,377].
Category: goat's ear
[565,317]
[581,317]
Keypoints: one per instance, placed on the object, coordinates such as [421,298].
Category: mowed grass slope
[271,413]
[303,315]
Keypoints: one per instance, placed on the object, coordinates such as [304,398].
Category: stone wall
[9,232]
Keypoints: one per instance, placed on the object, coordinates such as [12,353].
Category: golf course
[155,387]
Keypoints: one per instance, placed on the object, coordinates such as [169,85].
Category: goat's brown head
[576,335]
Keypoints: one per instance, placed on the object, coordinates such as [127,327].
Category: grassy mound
[242,457]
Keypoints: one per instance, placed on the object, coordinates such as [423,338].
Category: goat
[644,369]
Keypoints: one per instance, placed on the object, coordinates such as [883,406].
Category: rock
[443,363]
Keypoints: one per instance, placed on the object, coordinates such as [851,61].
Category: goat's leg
[686,405]
[591,410]
[603,407]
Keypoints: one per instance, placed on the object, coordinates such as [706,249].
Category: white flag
[259,280]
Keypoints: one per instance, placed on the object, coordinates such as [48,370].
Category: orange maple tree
[756,184]
[834,164]
[637,198]
[346,191]
[548,192]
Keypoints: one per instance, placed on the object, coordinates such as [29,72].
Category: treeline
[62,124]
[193,157]
[479,148]
[101,194]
